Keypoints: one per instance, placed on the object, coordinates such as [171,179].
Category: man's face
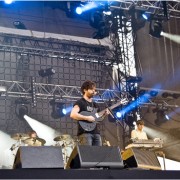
[140,127]
[90,92]
[33,135]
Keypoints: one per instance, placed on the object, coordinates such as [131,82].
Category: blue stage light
[145,16]
[8,1]
[64,111]
[79,10]
[167,117]
[118,114]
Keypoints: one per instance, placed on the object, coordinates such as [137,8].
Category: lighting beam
[172,37]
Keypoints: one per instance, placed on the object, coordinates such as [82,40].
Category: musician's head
[88,88]
[32,134]
[140,124]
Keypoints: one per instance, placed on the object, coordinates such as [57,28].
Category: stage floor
[87,174]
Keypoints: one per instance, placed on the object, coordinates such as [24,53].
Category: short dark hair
[140,122]
[32,132]
[87,85]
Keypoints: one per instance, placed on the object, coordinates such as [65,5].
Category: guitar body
[86,125]
[90,126]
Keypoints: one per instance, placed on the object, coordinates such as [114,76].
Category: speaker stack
[141,158]
[39,157]
[95,157]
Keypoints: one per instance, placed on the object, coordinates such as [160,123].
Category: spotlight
[19,25]
[58,109]
[21,110]
[3,90]
[130,119]
[46,72]
[118,114]
[79,10]
[153,93]
[165,95]
[8,1]
[175,96]
[161,115]
[138,21]
[97,21]
[145,16]
[155,28]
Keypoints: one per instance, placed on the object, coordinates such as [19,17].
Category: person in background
[139,133]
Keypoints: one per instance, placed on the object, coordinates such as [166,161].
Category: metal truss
[19,89]
[148,6]
[124,50]
[54,48]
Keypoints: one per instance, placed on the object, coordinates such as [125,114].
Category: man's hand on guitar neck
[105,113]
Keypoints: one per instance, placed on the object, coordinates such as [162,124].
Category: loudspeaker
[39,157]
[95,157]
[141,158]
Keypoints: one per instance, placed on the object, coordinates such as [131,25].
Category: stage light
[131,119]
[58,108]
[173,95]
[118,114]
[161,115]
[145,16]
[97,21]
[19,25]
[79,10]
[3,90]
[21,110]
[138,21]
[46,72]
[153,93]
[8,1]
[155,28]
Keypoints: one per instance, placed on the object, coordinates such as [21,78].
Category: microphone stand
[114,117]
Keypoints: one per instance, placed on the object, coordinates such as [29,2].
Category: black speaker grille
[39,157]
[100,156]
[145,158]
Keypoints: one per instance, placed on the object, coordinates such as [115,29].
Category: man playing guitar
[88,130]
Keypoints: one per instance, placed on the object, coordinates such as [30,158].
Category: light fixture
[8,1]
[171,95]
[3,90]
[130,119]
[97,21]
[161,115]
[155,28]
[138,21]
[21,110]
[19,25]
[46,72]
[58,109]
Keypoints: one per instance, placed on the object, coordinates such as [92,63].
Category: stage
[87,174]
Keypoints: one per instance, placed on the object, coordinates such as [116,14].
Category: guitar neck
[101,113]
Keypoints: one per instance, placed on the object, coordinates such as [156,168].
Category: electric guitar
[89,126]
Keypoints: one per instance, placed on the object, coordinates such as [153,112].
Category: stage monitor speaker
[95,157]
[39,157]
[141,158]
